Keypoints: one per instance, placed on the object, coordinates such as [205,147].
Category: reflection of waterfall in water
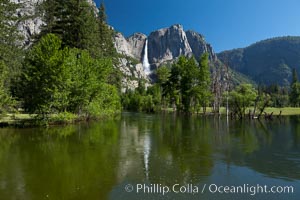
[147,148]
[146,64]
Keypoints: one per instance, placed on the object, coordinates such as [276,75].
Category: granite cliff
[164,45]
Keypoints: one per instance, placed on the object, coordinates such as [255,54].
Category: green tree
[45,78]
[88,79]
[73,21]
[10,52]
[295,90]
[294,76]
[204,81]
[58,79]
[241,98]
[5,99]
[163,74]
[295,94]
[105,34]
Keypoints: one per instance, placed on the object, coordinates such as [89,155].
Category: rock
[132,46]
[32,24]
[137,44]
[168,44]
[199,46]
[122,46]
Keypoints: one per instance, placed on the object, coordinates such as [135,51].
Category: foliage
[163,74]
[45,77]
[242,97]
[279,95]
[105,34]
[148,101]
[74,22]
[10,53]
[204,81]
[6,102]
[58,79]
[295,94]
[106,104]
[185,86]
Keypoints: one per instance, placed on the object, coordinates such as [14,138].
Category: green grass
[285,111]
[14,118]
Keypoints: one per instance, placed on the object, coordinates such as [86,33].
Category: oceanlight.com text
[210,188]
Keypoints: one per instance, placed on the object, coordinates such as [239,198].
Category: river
[141,156]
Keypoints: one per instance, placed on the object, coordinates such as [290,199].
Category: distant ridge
[268,61]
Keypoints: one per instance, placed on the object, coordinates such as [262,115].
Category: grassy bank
[30,120]
[23,120]
[285,111]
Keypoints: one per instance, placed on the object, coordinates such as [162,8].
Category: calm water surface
[97,161]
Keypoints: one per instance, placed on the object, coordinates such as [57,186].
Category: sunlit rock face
[167,44]
[32,24]
[132,46]
[199,45]
[164,45]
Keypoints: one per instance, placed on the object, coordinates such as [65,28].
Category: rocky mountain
[268,62]
[167,44]
[31,25]
[164,45]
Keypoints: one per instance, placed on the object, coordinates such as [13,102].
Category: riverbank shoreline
[32,120]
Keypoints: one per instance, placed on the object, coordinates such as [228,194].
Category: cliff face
[164,45]
[32,24]
[167,44]
[132,46]
[199,46]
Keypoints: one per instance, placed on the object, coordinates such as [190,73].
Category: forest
[69,73]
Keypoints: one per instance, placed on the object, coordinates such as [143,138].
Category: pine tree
[295,90]
[294,76]
[73,21]
[204,81]
[10,51]
[105,34]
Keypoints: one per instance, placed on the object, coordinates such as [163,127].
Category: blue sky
[226,24]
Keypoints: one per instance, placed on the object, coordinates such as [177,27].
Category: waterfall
[146,64]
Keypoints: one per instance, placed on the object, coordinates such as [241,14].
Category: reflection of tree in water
[11,173]
[271,148]
[73,162]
